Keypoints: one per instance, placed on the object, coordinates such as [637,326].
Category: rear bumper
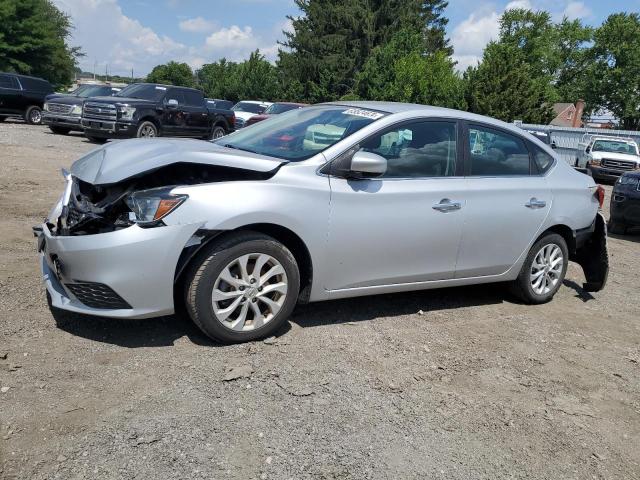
[66,121]
[135,265]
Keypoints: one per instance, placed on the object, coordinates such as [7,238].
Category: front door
[404,226]
[506,202]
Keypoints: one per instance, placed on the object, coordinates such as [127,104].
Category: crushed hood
[125,159]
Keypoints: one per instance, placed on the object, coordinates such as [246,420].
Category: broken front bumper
[128,273]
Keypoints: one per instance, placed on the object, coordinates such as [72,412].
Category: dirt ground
[462,383]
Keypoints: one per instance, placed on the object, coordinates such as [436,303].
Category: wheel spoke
[257,268]
[218,295]
[242,263]
[230,279]
[224,313]
[273,305]
[273,271]
[274,287]
[239,323]
[258,317]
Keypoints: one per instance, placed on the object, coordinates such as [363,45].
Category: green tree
[172,73]
[33,40]
[332,40]
[614,76]
[503,86]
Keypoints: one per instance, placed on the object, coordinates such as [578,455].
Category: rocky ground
[458,384]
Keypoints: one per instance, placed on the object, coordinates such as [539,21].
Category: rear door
[404,226]
[10,94]
[506,201]
[197,115]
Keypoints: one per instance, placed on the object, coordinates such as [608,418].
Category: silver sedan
[331,201]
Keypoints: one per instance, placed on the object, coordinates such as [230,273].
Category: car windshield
[614,146]
[278,108]
[95,91]
[248,107]
[143,92]
[82,88]
[301,133]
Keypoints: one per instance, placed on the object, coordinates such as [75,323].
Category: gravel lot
[459,383]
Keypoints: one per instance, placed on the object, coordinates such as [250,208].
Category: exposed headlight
[148,206]
[628,180]
[594,161]
[45,107]
[126,112]
[76,110]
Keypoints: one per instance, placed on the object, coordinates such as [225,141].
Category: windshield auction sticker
[363,113]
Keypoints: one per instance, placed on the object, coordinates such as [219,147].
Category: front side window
[419,149]
[495,153]
[302,133]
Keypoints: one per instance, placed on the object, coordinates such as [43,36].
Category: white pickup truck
[606,158]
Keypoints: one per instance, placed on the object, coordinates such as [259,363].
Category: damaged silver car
[325,202]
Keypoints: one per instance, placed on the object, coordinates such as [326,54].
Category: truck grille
[59,108]
[97,295]
[99,111]
[618,164]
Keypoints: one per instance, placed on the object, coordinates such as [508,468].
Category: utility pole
[95,64]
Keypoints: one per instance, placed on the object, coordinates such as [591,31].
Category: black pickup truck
[152,110]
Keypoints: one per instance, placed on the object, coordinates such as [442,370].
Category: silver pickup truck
[607,157]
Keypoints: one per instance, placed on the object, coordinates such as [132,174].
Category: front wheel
[147,130]
[242,288]
[33,115]
[543,271]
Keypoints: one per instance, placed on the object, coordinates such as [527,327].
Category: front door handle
[447,205]
[534,203]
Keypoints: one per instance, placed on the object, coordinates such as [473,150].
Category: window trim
[533,169]
[328,168]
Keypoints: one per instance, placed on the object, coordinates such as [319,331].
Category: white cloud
[108,37]
[576,10]
[196,25]
[471,36]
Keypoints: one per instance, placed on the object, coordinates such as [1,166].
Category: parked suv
[152,110]
[625,203]
[22,96]
[62,112]
[606,158]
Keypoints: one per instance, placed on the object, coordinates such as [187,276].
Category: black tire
[93,139]
[2,119]
[33,115]
[207,266]
[147,129]
[522,288]
[218,131]
[617,228]
[59,130]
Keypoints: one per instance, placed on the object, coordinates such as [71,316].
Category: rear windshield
[248,107]
[301,133]
[613,146]
[96,91]
[143,92]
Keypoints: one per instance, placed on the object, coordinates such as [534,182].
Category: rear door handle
[447,205]
[534,203]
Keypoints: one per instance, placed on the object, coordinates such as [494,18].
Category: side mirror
[367,164]
[172,104]
[554,145]
[588,149]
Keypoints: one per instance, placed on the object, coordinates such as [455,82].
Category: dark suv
[22,96]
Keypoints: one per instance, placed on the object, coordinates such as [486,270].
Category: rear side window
[176,95]
[192,98]
[417,149]
[495,153]
[7,81]
[542,159]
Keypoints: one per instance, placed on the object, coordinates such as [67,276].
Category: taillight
[599,194]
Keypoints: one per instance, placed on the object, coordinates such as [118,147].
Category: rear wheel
[242,288]
[617,228]
[59,130]
[33,115]
[543,271]
[217,132]
[2,119]
[147,129]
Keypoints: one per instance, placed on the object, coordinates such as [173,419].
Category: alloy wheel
[546,269]
[35,116]
[147,131]
[249,292]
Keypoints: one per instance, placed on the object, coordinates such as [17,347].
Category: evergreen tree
[33,40]
[503,86]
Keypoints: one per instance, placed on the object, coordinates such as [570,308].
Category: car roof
[257,102]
